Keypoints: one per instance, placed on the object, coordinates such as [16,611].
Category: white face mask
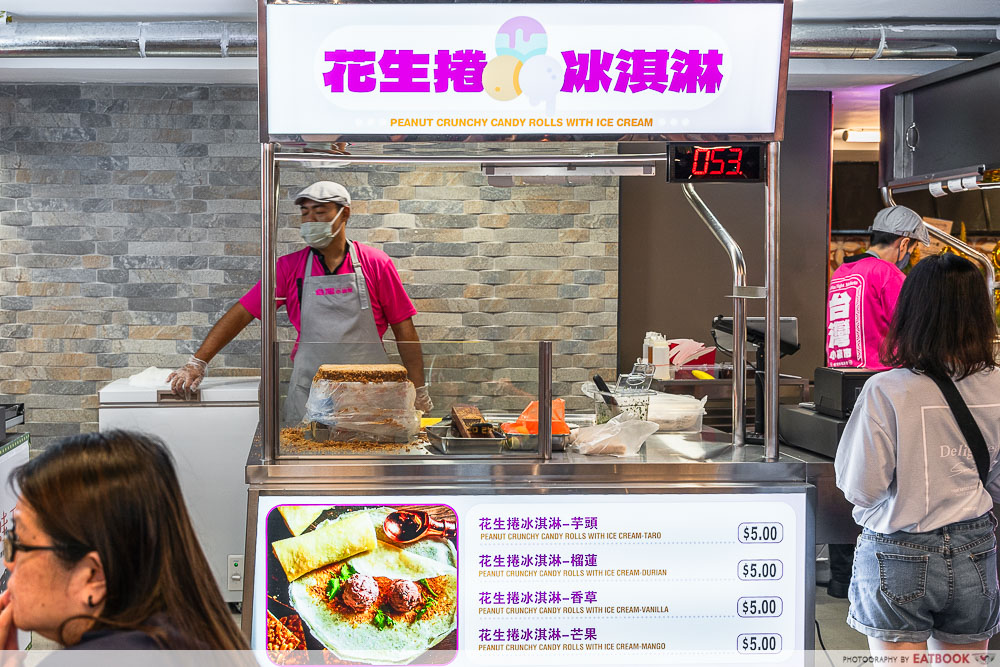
[320,234]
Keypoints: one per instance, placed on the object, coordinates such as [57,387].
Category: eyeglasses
[11,546]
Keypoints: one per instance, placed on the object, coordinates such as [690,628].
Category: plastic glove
[188,377]
[423,402]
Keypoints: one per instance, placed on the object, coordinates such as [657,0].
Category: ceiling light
[862,136]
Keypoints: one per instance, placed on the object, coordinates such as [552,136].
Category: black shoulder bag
[966,422]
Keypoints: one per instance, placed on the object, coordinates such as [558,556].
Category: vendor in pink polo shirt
[862,297]
[864,290]
[341,296]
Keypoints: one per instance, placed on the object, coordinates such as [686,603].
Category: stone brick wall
[129,222]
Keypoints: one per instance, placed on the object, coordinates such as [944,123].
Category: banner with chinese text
[523,69]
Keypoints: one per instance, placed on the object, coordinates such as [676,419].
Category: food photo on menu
[362,585]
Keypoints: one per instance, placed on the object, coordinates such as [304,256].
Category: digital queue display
[716,163]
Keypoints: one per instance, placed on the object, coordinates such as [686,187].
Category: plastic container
[677,414]
[636,403]
[679,420]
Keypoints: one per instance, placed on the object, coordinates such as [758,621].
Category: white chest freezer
[209,439]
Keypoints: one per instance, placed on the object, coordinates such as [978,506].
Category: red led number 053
[711,162]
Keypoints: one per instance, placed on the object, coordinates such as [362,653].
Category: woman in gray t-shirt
[925,568]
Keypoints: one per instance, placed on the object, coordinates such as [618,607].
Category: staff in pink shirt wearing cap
[864,290]
[862,297]
[341,297]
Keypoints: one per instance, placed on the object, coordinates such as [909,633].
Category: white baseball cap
[901,221]
[325,191]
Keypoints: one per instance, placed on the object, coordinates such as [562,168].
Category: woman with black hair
[102,554]
[925,568]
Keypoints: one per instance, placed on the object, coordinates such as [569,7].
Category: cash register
[817,426]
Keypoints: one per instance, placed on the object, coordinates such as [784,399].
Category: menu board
[555,580]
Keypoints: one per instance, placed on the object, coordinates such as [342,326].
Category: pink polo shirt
[390,303]
[862,297]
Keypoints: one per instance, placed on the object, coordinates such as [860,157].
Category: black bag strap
[967,423]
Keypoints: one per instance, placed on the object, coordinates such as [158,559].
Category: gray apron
[337,327]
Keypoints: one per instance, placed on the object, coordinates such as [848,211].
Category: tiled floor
[837,635]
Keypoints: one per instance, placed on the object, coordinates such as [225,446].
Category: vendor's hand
[423,402]
[188,377]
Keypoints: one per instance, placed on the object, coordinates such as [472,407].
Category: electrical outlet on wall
[234,572]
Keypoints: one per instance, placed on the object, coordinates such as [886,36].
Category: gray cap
[325,191]
[901,221]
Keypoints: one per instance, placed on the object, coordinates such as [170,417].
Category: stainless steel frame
[269,413]
[739,267]
[266,136]
[772,349]
[271,160]
[329,159]
[545,399]
[270,163]
[976,256]
[746,469]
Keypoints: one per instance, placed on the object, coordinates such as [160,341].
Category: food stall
[447,546]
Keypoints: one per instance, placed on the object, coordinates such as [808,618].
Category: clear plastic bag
[359,411]
[623,435]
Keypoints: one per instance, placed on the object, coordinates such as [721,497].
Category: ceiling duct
[116,39]
[873,41]
[812,39]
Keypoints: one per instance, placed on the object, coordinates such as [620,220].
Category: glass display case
[491,387]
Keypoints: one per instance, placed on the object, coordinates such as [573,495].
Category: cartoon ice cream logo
[500,78]
[540,79]
[522,66]
[521,37]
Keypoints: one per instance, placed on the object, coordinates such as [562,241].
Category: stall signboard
[716,578]
[524,70]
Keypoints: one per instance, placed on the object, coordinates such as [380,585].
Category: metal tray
[529,442]
[441,440]
[321,433]
[517,442]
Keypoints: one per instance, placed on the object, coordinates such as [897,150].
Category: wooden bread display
[462,416]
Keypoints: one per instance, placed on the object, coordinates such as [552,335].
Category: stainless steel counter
[701,463]
[694,462]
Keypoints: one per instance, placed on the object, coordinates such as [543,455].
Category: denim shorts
[907,587]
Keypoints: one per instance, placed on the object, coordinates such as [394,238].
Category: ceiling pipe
[119,39]
[873,41]
[116,39]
